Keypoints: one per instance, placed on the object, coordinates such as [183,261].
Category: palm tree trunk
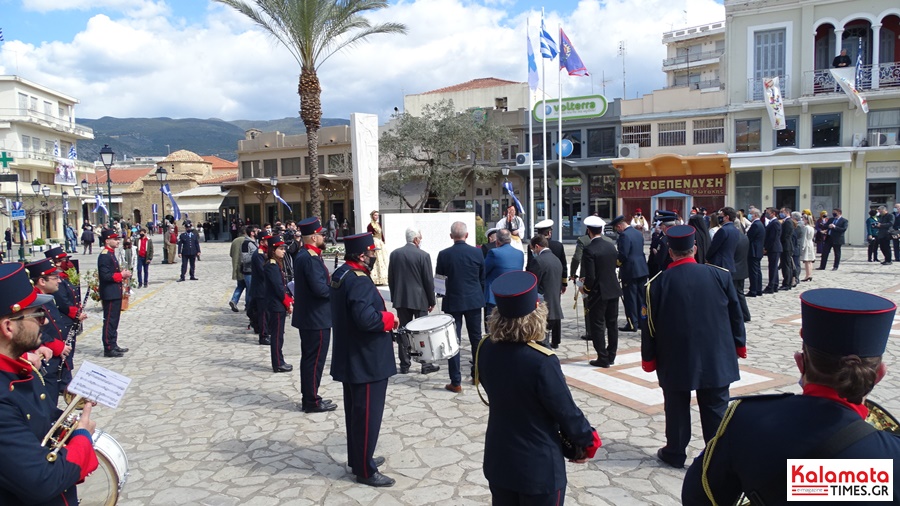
[311,114]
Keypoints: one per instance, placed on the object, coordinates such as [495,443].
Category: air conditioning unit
[883,139]
[628,150]
[523,159]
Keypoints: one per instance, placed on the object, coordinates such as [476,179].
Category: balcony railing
[47,157]
[871,77]
[692,57]
[46,120]
[755,90]
[701,85]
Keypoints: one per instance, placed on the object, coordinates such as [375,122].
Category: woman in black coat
[279,301]
[702,237]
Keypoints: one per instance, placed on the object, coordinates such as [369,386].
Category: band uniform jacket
[756,234]
[693,349]
[836,235]
[257,283]
[278,298]
[362,350]
[663,259]
[464,267]
[67,302]
[763,432]
[721,251]
[787,236]
[530,406]
[411,278]
[109,275]
[26,415]
[632,264]
[188,243]
[312,291]
[559,251]
[741,253]
[772,242]
[548,270]
[598,267]
[499,261]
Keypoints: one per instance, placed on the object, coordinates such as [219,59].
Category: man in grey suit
[411,282]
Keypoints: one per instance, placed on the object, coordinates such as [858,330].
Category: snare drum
[102,487]
[430,338]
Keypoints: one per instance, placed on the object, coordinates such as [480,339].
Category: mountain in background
[134,137]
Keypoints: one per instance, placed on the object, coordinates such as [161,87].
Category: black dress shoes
[599,363]
[113,353]
[404,370]
[668,460]
[265,341]
[120,350]
[430,368]
[820,268]
[322,407]
[585,337]
[180,280]
[284,368]
[376,480]
[379,461]
[627,329]
[195,279]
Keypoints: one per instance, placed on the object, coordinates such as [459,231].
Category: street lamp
[35,187]
[274,182]
[161,176]
[107,155]
[505,171]
[65,199]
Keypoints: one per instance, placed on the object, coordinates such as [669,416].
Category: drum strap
[477,376]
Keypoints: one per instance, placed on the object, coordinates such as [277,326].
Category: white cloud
[64,5]
[148,63]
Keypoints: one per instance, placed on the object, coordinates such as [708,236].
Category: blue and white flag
[278,197]
[1,34]
[66,205]
[23,233]
[533,78]
[548,45]
[56,149]
[99,204]
[509,189]
[73,154]
[155,209]
[176,213]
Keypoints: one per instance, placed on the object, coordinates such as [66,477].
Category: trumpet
[65,425]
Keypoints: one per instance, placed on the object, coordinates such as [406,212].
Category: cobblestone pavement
[205,421]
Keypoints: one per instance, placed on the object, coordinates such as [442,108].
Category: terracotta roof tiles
[474,84]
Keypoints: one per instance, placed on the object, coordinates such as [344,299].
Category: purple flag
[568,58]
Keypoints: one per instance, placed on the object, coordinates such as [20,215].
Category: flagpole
[544,121]
[559,151]
[530,136]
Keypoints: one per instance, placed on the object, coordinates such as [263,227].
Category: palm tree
[314,30]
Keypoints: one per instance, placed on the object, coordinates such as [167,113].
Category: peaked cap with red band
[515,293]
[310,226]
[16,291]
[40,268]
[846,322]
[56,253]
[359,243]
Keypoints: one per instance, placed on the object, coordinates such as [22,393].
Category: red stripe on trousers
[365,459]
[316,368]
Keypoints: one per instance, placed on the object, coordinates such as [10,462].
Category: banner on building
[690,185]
[774,104]
[846,79]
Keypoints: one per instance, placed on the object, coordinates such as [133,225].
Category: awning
[203,199]
[790,157]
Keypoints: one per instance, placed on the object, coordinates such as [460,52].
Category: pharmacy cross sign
[5,159]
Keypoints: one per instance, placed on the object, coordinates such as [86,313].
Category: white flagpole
[559,157]
[530,136]
[544,121]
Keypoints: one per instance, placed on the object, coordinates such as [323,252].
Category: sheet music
[99,384]
[440,284]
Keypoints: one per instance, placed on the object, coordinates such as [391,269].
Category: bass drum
[102,487]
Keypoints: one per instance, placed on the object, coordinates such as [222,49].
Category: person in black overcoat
[834,229]
[602,291]
[278,301]
[531,407]
[363,355]
[885,224]
[691,350]
[70,309]
[548,272]
[772,248]
[110,277]
[667,220]
[844,334]
[545,228]
[632,270]
[741,271]
[258,290]
[721,249]
[787,249]
[702,235]
[756,234]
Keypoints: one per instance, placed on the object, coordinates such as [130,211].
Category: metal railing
[48,157]
[701,85]
[870,77]
[755,88]
[692,57]
[46,120]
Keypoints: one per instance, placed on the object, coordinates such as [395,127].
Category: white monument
[364,147]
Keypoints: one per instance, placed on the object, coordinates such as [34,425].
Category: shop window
[826,130]
[709,131]
[601,142]
[826,188]
[636,134]
[747,189]
[291,167]
[787,137]
[575,137]
[672,134]
[747,134]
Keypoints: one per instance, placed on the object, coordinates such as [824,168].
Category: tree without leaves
[443,149]
[314,30]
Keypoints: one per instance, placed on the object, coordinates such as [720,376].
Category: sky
[202,59]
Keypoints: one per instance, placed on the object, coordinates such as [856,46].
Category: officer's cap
[618,219]
[56,253]
[515,293]
[491,231]
[275,241]
[665,217]
[543,225]
[264,241]
[681,237]
[108,234]
[16,291]
[846,322]
[40,268]
[359,243]
[594,222]
[310,226]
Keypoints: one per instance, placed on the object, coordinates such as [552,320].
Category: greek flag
[56,149]
[73,155]
[548,45]
[98,201]
[155,209]
[509,189]
[278,197]
[859,64]
[1,34]
[176,213]
[532,66]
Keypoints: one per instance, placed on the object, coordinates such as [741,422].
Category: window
[320,159]
[48,109]
[26,143]
[270,168]
[826,188]
[747,189]
[23,102]
[746,134]
[537,146]
[672,134]
[509,151]
[602,142]
[884,123]
[250,169]
[32,104]
[709,131]
[62,113]
[291,167]
[48,147]
[826,130]
[636,134]
[768,59]
[787,138]
[575,137]
[36,144]
[338,164]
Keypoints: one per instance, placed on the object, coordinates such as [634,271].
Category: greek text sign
[883,170]
[690,185]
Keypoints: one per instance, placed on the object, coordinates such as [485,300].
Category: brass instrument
[879,418]
[65,425]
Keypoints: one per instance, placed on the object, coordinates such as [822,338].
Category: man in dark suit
[721,249]
[491,236]
[548,271]
[772,248]
[787,249]
[741,271]
[602,291]
[110,277]
[896,240]
[313,294]
[632,270]
[885,224]
[363,355]
[756,234]
[411,282]
[188,250]
[501,259]
[545,228]
[463,266]
[834,238]
[689,349]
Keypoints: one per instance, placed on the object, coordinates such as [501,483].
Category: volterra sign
[590,106]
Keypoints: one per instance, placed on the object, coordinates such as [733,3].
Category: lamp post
[161,176]
[107,155]
[274,182]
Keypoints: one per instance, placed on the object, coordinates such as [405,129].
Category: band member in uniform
[632,270]
[313,294]
[844,335]
[111,276]
[602,292]
[531,407]
[27,413]
[666,220]
[69,306]
[363,355]
[258,289]
[45,278]
[690,349]
[278,301]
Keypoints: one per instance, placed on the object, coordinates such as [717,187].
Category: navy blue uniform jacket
[257,282]
[721,251]
[312,294]
[189,243]
[530,405]
[500,261]
[631,255]
[772,243]
[67,302]
[598,267]
[757,235]
[363,351]
[278,298]
[109,275]
[693,349]
[464,267]
[751,455]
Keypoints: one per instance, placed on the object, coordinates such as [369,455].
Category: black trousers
[506,497]
[275,325]
[787,268]
[712,403]
[602,316]
[827,249]
[633,298]
[739,288]
[873,250]
[896,243]
[363,410]
[885,243]
[51,379]
[404,316]
[185,260]
[773,271]
[313,349]
[555,329]
[261,317]
[753,264]
[112,310]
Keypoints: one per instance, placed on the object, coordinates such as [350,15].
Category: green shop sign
[590,106]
